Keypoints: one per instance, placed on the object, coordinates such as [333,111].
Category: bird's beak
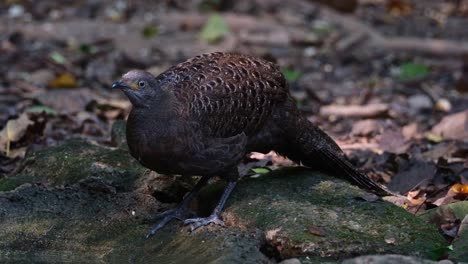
[119,85]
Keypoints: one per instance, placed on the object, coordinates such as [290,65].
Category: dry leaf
[64,80]
[271,234]
[410,131]
[460,188]
[17,153]
[453,126]
[414,199]
[67,101]
[393,142]
[13,131]
[413,174]
[366,127]
[443,105]
[399,7]
[315,230]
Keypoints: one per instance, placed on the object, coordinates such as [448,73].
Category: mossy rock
[448,214]
[268,219]
[76,225]
[304,213]
[74,161]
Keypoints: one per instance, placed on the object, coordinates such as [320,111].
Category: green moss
[76,160]
[8,184]
[292,200]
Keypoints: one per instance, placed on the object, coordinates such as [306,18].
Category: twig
[435,47]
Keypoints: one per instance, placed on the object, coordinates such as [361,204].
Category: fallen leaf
[440,150]
[41,77]
[443,105]
[460,188]
[413,71]
[412,175]
[13,131]
[367,127]
[57,57]
[260,170]
[393,141]
[40,109]
[415,198]
[215,29]
[454,126]
[433,137]
[66,101]
[315,230]
[274,158]
[410,131]
[291,74]
[64,80]
[399,7]
[17,153]
[150,31]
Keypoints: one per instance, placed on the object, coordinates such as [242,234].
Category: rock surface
[81,202]
[392,259]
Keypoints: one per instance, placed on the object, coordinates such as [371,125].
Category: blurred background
[388,79]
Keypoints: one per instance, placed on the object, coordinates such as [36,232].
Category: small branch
[364,33]
[362,111]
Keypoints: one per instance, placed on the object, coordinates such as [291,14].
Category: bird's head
[138,86]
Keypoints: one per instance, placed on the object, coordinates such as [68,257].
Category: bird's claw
[203,221]
[178,213]
[175,214]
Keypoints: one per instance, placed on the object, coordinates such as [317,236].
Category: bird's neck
[157,110]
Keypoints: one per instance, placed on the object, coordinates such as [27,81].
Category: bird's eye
[141,84]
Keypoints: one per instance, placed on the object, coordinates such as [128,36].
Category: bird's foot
[203,221]
[178,213]
[175,213]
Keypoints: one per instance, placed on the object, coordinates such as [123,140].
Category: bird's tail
[308,144]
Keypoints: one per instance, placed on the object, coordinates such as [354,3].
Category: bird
[202,116]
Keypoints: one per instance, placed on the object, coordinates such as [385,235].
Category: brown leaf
[272,156]
[13,131]
[454,126]
[67,101]
[411,175]
[410,131]
[399,7]
[315,230]
[415,198]
[448,198]
[64,80]
[393,141]
[443,149]
[17,153]
[366,127]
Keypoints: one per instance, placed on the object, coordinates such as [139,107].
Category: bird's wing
[215,155]
[227,93]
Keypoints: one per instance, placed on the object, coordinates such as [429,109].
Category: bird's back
[226,94]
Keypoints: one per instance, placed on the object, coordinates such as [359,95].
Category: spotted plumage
[203,115]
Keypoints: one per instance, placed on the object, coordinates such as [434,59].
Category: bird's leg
[215,215]
[181,209]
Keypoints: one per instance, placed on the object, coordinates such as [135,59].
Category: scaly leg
[181,210]
[214,217]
